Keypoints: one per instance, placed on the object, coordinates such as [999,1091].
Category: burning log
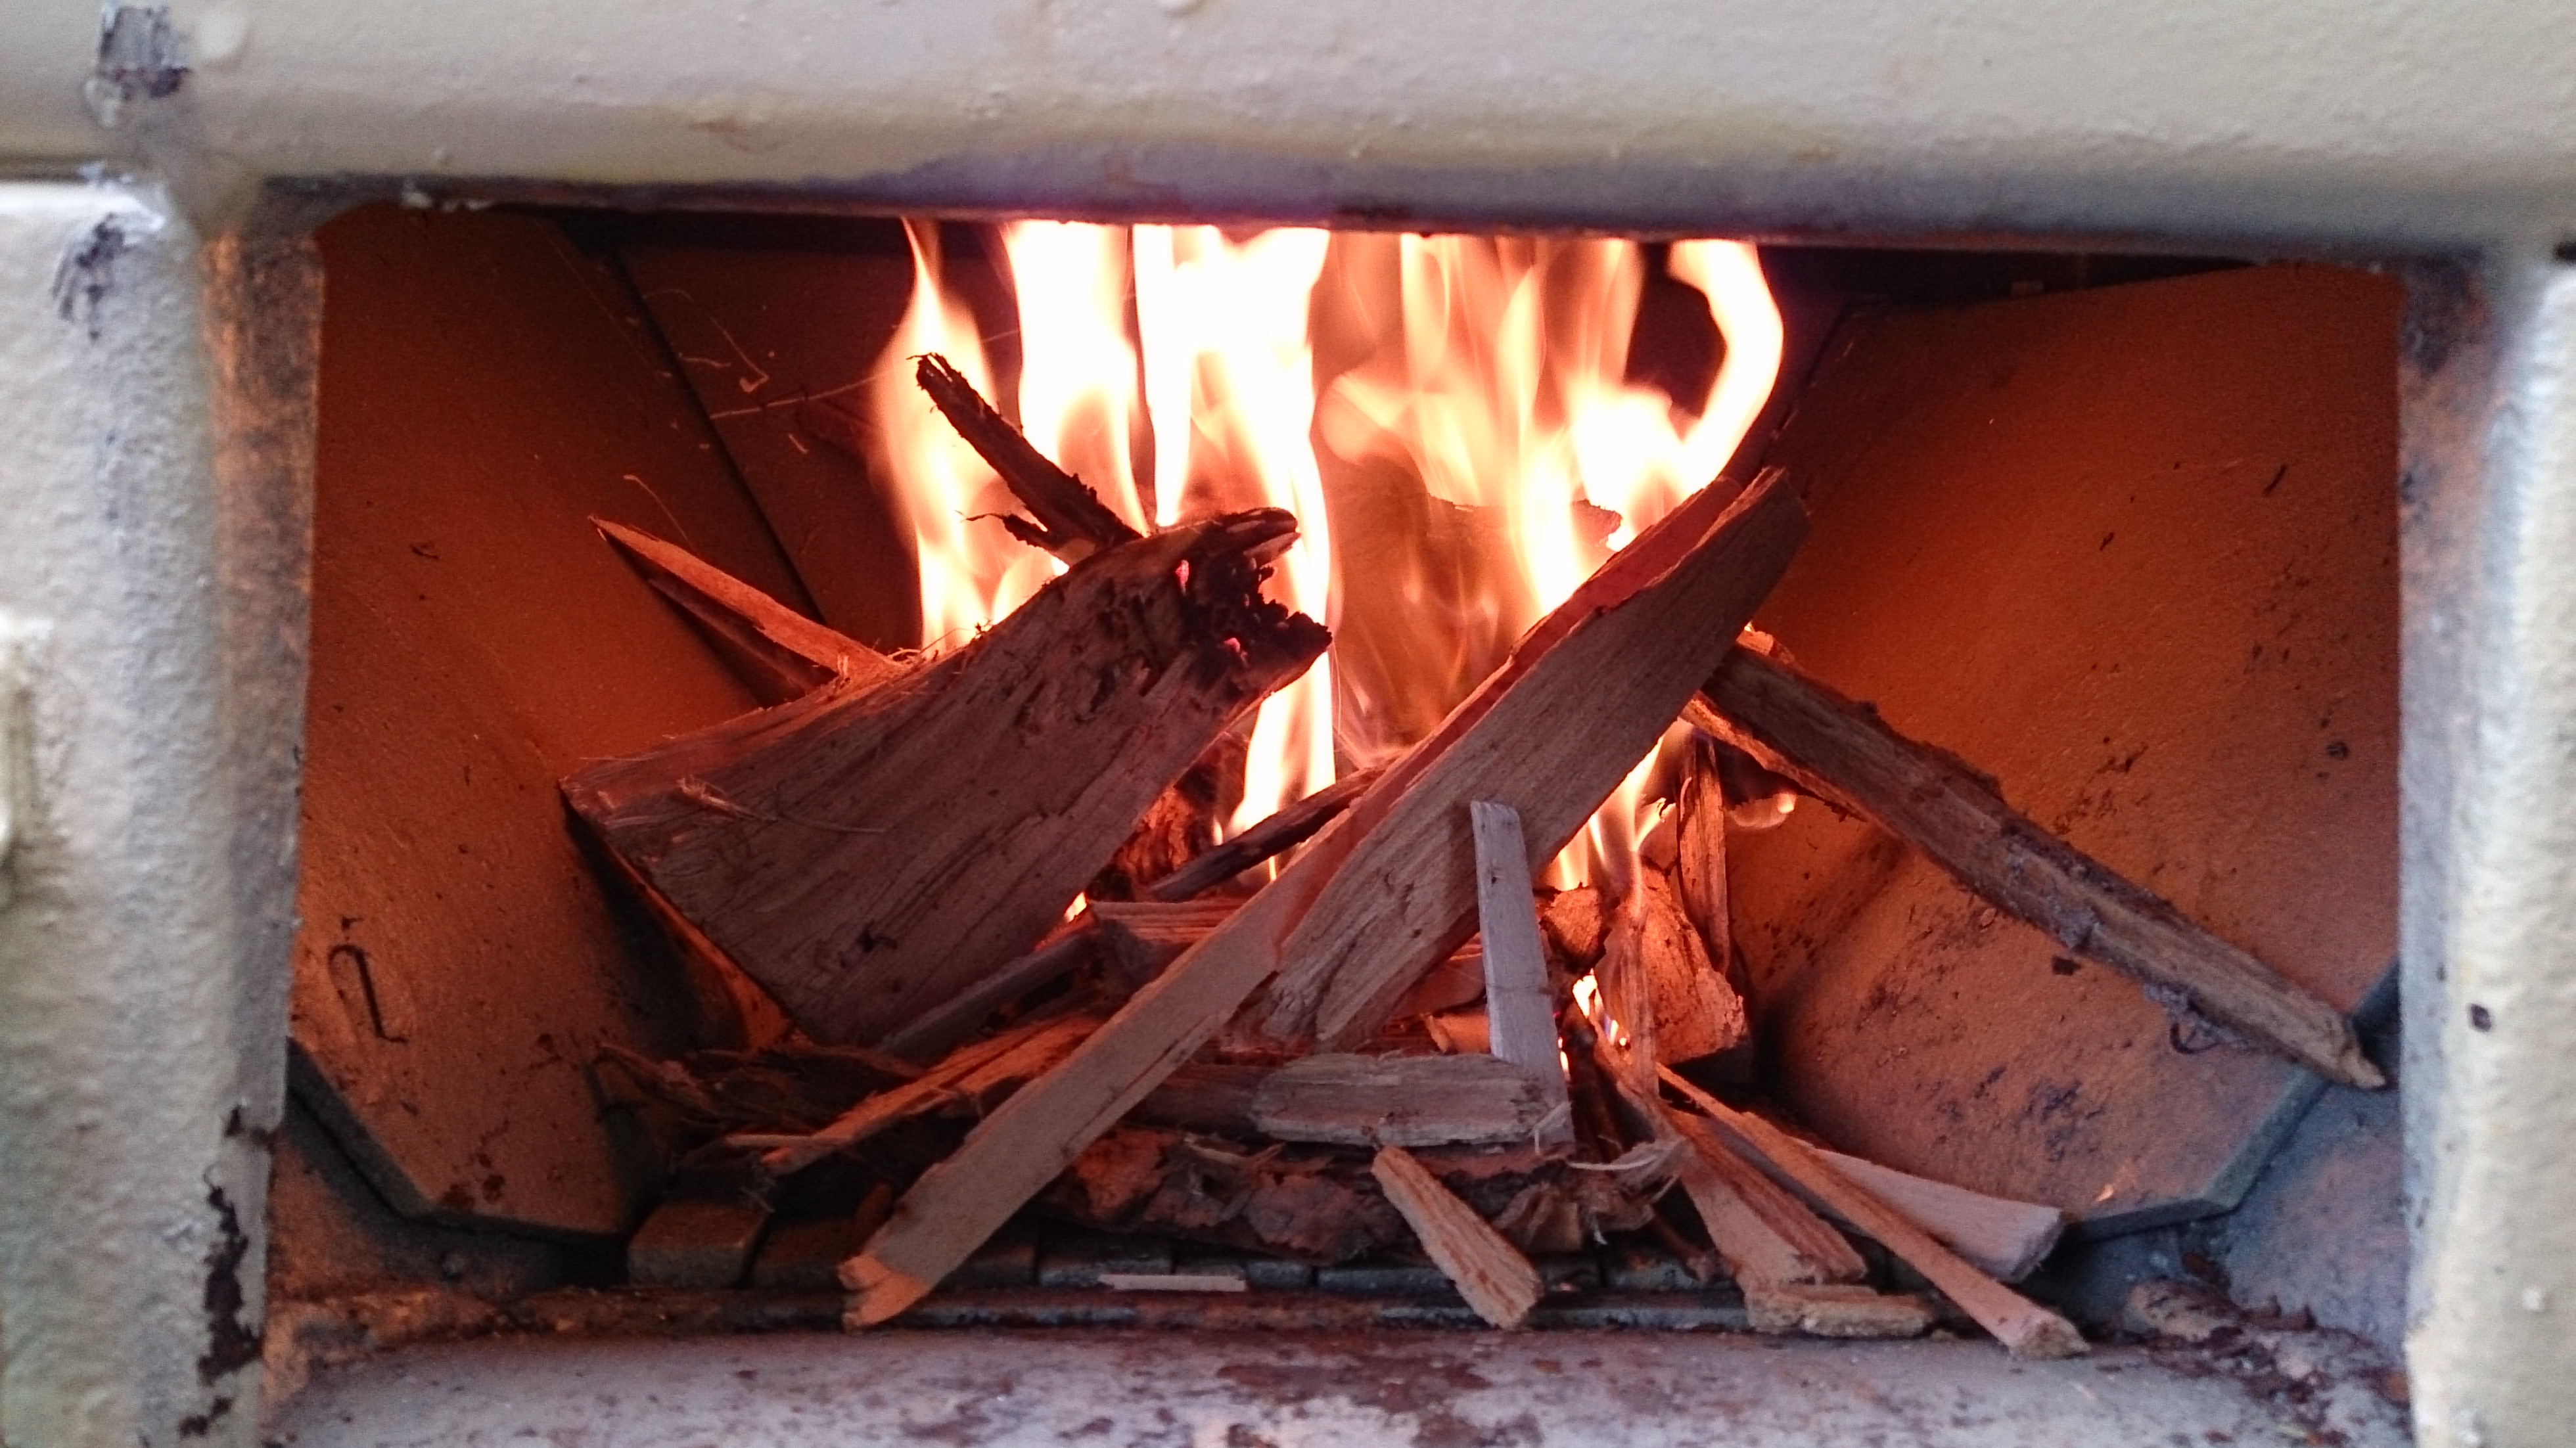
[1489,1272]
[1552,731]
[1400,1101]
[2023,1326]
[1844,753]
[869,853]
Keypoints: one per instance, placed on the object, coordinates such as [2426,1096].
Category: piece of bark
[1144,936]
[690,1243]
[2004,1238]
[1489,1271]
[867,854]
[1293,825]
[1072,522]
[1655,966]
[1582,697]
[1844,753]
[956,1018]
[1401,1101]
[1578,921]
[1699,872]
[1520,1008]
[779,652]
[2024,1327]
[970,1076]
[1835,1310]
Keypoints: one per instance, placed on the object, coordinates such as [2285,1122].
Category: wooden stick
[1350,1100]
[2006,1238]
[1843,752]
[1489,1272]
[965,1074]
[780,652]
[957,1017]
[2024,1327]
[1293,825]
[869,853]
[1072,523]
[1582,697]
[1520,1009]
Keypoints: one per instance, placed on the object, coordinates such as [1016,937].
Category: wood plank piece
[1352,1100]
[1520,1009]
[1767,1236]
[1020,1053]
[781,652]
[2006,1238]
[2025,1328]
[1845,753]
[1546,712]
[1488,1271]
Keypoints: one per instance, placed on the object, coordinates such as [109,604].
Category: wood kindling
[1520,1005]
[1846,754]
[1581,698]
[1072,523]
[1488,1271]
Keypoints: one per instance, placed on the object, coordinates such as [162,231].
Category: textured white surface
[1522,1390]
[2298,119]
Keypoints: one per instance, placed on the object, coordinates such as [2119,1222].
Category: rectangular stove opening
[936,773]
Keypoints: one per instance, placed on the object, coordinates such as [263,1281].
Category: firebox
[1672,691]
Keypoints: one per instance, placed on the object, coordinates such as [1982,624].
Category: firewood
[779,652]
[1205,1096]
[869,853]
[1144,936]
[1520,1008]
[1578,921]
[1489,1271]
[1578,702]
[970,1076]
[1293,825]
[1654,957]
[1072,523]
[1401,1101]
[956,1018]
[2024,1327]
[1844,753]
[1835,1310]
[1699,871]
[1179,826]
[1455,982]
[2005,1238]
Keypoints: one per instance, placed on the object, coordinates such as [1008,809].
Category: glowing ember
[1491,371]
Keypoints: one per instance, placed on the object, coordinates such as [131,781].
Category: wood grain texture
[2024,1327]
[869,852]
[1520,1008]
[1488,1271]
[1942,807]
[1352,1100]
[2006,1238]
[1572,666]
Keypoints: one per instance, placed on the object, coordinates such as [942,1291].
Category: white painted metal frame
[155,435]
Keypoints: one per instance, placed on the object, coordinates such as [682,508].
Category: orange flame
[1230,384]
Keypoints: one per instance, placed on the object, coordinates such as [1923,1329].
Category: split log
[1293,825]
[1582,697]
[1699,870]
[972,1076]
[1489,1272]
[1520,1008]
[779,652]
[2003,1237]
[1401,1101]
[2024,1327]
[1844,753]
[868,853]
[1836,1310]
[1072,523]
[1144,936]
[1656,968]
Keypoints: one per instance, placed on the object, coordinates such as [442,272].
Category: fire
[1490,370]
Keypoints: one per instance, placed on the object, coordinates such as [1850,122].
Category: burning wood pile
[1395,1042]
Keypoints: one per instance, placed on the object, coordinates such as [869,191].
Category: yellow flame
[1077,368]
[1230,387]
[972,572]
